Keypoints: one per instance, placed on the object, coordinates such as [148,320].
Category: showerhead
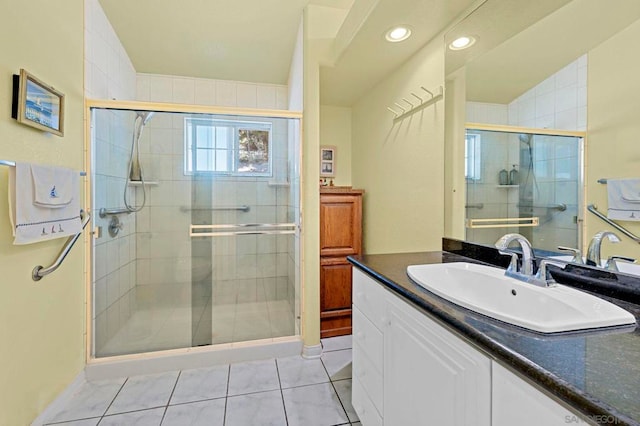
[525,138]
[145,116]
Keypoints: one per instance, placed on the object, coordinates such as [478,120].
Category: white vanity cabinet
[410,370]
[516,402]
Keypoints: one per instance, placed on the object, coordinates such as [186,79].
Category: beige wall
[401,166]
[613,128]
[335,130]
[42,323]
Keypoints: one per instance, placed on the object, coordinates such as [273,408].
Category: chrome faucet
[593,252]
[527,251]
[526,270]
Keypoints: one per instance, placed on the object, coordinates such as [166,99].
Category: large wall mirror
[542,105]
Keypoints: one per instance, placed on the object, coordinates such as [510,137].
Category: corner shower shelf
[507,186]
[138,183]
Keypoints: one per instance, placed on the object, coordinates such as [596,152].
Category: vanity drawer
[363,405]
[367,337]
[369,377]
[369,297]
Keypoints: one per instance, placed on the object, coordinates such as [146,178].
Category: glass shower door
[208,252]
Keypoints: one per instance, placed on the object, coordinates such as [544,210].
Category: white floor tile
[297,371]
[315,405]
[200,384]
[135,418]
[203,413]
[343,388]
[338,364]
[257,376]
[336,343]
[91,400]
[142,392]
[256,409]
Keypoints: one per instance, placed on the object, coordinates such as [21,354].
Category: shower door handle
[242,229]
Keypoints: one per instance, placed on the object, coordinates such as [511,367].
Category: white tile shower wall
[109,73]
[202,91]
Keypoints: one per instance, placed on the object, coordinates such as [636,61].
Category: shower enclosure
[525,182]
[198,236]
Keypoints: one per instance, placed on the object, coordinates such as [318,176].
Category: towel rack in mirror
[594,209]
[39,271]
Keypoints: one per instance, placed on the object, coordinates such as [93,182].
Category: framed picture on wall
[37,104]
[327,161]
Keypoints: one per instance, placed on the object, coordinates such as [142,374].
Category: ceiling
[253,40]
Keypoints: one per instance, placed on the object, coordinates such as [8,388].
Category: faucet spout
[527,250]
[593,252]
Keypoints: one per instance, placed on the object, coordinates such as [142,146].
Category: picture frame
[37,104]
[328,161]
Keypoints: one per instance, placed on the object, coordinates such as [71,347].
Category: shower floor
[180,324]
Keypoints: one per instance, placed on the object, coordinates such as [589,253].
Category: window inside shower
[208,252]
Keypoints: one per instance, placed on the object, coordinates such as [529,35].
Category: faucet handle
[577,254]
[513,264]
[541,275]
[611,264]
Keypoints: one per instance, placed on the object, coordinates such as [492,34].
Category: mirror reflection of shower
[135,169]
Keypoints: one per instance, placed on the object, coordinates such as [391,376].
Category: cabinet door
[516,402]
[335,297]
[340,225]
[430,376]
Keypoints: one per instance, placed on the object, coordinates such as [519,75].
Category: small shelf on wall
[139,183]
[507,186]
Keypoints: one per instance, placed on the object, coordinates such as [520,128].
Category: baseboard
[61,400]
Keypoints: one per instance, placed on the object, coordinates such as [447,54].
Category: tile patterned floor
[281,392]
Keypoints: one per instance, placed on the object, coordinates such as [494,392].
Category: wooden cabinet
[340,236]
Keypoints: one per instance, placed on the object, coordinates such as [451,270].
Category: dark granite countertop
[595,372]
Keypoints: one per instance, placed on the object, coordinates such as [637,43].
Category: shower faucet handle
[577,254]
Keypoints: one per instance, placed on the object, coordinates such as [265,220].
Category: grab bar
[243,208]
[503,222]
[241,229]
[39,271]
[594,209]
[560,207]
[13,164]
[478,206]
[103,212]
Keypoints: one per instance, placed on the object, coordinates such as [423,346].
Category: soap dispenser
[503,177]
[513,176]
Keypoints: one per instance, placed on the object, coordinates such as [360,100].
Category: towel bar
[13,164]
[242,229]
[39,271]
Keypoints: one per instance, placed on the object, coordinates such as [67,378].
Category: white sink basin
[488,291]
[624,267]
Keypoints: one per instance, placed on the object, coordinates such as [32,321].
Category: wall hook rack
[425,98]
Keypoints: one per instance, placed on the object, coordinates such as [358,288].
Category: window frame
[191,148]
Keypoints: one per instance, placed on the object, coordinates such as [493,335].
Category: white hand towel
[32,223]
[624,199]
[53,186]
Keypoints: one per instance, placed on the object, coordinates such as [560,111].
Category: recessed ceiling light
[462,43]
[396,34]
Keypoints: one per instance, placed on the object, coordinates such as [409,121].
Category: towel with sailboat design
[44,202]
[624,199]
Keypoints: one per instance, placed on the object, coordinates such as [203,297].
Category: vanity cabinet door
[516,402]
[430,376]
